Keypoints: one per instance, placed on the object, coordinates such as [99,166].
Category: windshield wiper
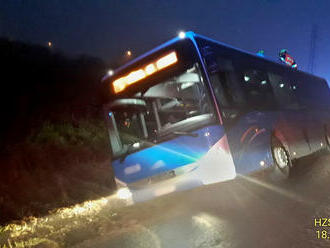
[191,134]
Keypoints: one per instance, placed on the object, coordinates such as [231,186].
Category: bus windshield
[174,106]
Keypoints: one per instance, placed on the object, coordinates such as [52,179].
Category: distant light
[110,114]
[50,44]
[263,82]
[246,78]
[281,85]
[124,193]
[294,87]
[110,72]
[129,53]
[182,35]
[262,163]
[206,134]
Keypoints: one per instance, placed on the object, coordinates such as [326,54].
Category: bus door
[242,98]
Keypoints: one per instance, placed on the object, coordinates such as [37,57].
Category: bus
[195,111]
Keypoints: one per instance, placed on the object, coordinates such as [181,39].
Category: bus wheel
[282,160]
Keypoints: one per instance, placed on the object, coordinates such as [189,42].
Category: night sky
[107,28]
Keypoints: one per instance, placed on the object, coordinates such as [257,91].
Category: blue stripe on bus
[168,155]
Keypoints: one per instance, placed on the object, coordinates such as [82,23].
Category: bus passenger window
[283,91]
[257,89]
[218,80]
[224,83]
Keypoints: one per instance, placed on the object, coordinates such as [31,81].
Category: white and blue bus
[194,111]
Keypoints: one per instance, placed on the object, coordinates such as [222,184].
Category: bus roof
[191,35]
[255,55]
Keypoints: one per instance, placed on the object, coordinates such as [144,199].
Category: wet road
[247,212]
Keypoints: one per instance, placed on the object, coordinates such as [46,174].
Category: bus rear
[165,131]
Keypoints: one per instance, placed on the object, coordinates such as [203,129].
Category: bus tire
[282,168]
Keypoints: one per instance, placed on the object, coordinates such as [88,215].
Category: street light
[50,44]
[110,72]
[129,53]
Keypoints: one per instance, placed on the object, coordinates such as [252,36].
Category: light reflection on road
[275,188]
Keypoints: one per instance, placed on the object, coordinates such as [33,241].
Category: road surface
[250,211]
[247,212]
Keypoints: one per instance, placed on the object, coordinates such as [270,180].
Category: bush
[92,134]
[58,165]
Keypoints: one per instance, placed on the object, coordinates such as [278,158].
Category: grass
[70,221]
[83,224]
[59,165]
[68,135]
[64,227]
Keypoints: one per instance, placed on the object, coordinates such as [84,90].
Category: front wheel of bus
[282,161]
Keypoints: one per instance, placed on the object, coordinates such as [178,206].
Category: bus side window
[217,84]
[284,92]
[257,88]
[312,93]
[225,87]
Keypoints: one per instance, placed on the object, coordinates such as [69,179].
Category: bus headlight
[124,193]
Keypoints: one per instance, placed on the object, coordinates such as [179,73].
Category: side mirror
[128,105]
